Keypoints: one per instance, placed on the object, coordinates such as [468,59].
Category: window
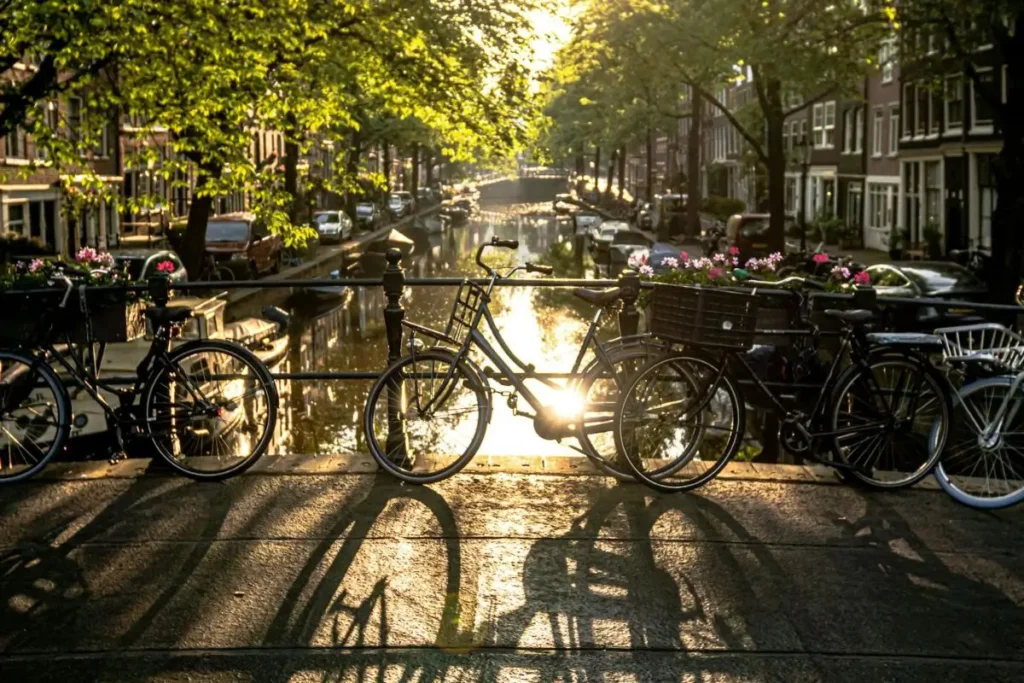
[876,133]
[982,113]
[824,124]
[803,132]
[16,218]
[879,206]
[894,129]
[911,207]
[848,131]
[103,143]
[933,193]
[790,195]
[923,109]
[886,58]
[16,143]
[954,102]
[74,116]
[854,205]
[908,107]
[986,199]
[794,132]
[934,113]
[858,128]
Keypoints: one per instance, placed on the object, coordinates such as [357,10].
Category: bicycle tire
[18,426]
[641,353]
[259,373]
[466,376]
[684,367]
[915,366]
[948,481]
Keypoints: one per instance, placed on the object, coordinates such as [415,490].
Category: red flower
[165,266]
[821,258]
[862,278]
[715,273]
[734,251]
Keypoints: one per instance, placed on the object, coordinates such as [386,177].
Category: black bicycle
[427,414]
[208,407]
[879,411]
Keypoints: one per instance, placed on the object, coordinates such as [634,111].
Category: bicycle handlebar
[538,268]
[495,242]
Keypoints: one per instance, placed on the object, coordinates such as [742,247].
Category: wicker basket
[704,316]
[113,317]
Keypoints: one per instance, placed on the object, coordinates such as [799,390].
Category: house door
[957,236]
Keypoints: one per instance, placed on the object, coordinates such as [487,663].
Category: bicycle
[427,414]
[884,417]
[983,464]
[197,403]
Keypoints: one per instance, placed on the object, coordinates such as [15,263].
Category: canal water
[543,326]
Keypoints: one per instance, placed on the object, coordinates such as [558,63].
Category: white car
[587,224]
[605,233]
[333,226]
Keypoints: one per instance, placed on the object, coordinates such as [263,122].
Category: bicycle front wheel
[426,416]
[889,420]
[983,464]
[679,423]
[35,416]
[211,410]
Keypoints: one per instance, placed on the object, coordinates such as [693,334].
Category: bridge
[523,190]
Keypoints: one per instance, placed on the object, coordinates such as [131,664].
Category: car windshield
[330,217]
[394,200]
[227,231]
[364,209]
[937,277]
[631,238]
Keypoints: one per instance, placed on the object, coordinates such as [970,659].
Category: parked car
[749,233]
[333,226]
[243,244]
[660,251]
[931,279]
[627,242]
[369,216]
[401,204]
[427,196]
[141,264]
[602,240]
[587,223]
[645,217]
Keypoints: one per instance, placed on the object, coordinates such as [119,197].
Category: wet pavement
[502,578]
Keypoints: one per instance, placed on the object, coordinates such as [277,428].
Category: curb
[362,465]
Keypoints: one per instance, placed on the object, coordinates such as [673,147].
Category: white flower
[670,261]
[646,270]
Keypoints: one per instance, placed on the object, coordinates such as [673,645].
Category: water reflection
[542,327]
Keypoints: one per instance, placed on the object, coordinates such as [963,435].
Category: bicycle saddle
[855,317]
[599,297]
[165,315]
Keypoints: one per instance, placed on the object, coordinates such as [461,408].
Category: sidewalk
[503,577]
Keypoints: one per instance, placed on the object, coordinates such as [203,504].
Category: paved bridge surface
[503,577]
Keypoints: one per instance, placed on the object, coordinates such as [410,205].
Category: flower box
[113,314]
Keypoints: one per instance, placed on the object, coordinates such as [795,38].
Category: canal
[543,326]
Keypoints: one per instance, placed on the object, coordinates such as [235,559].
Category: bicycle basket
[703,316]
[983,343]
[468,302]
[112,316]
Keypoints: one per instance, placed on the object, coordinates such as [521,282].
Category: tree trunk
[387,166]
[352,171]
[693,149]
[414,185]
[611,174]
[597,169]
[428,160]
[774,122]
[1008,216]
[622,171]
[650,167]
[192,248]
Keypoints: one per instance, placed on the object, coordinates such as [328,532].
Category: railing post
[159,289]
[629,316]
[394,285]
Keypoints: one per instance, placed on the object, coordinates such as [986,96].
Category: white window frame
[9,224]
[877,127]
[984,126]
[20,139]
[858,125]
[885,57]
[848,131]
[947,91]
[830,127]
[818,123]
[894,128]
[907,122]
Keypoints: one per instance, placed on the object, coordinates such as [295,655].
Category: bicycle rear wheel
[890,420]
[211,411]
[426,416]
[679,423]
[35,416]
[981,470]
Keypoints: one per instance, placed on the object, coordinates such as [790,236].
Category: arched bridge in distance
[532,189]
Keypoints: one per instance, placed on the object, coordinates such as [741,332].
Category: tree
[963,29]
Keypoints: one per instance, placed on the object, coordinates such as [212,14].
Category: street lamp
[806,147]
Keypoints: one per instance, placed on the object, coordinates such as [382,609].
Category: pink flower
[105,259]
[734,251]
[165,266]
[715,273]
[646,270]
[86,255]
[821,258]
[36,265]
[862,278]
[683,256]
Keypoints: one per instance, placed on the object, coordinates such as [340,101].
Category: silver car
[333,226]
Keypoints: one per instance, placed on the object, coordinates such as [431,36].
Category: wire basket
[704,316]
[983,343]
[468,302]
[111,315]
